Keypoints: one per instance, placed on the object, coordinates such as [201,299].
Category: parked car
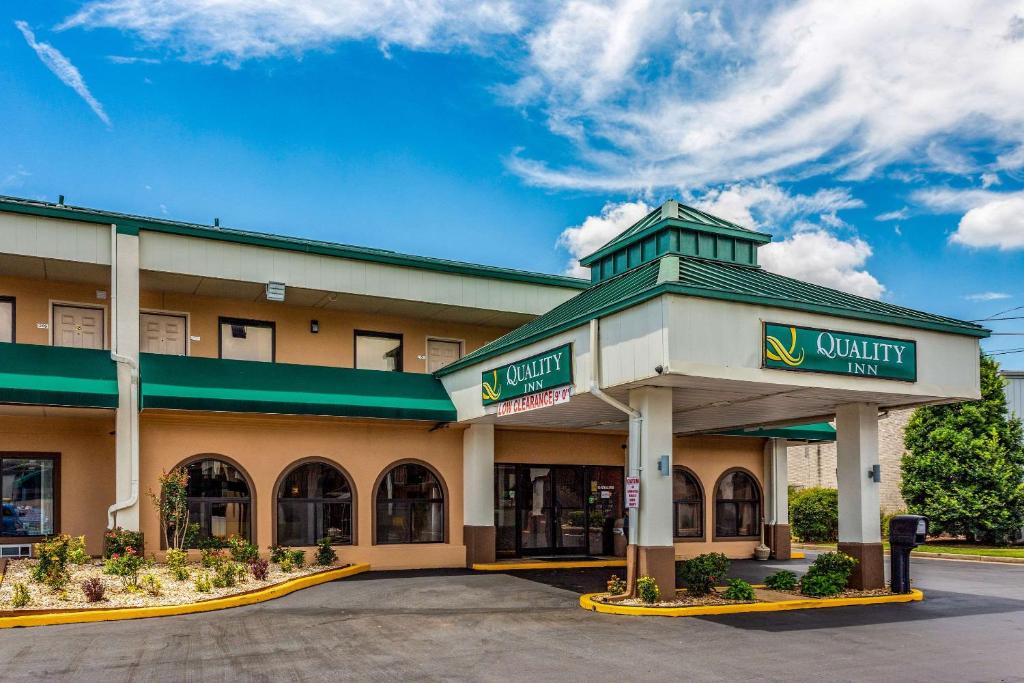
[12,525]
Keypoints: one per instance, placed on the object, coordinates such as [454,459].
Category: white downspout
[635,418]
[133,401]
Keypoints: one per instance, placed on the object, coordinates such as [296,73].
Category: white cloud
[898,215]
[590,235]
[951,200]
[120,59]
[766,205]
[63,69]
[817,256]
[233,31]
[998,223]
[15,178]
[987,296]
[989,179]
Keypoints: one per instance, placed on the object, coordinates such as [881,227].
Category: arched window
[314,501]
[219,500]
[410,506]
[737,506]
[687,504]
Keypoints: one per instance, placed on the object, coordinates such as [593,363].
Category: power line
[994,315]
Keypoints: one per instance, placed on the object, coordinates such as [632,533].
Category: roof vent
[216,222]
[60,200]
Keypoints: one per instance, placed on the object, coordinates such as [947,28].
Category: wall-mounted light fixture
[275,291]
[314,326]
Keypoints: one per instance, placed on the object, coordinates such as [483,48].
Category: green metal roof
[132,224]
[714,280]
[818,431]
[55,376]
[213,384]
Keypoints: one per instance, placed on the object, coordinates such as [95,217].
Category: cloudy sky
[881,143]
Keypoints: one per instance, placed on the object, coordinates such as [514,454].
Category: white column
[776,478]
[857,453]
[478,475]
[655,514]
[125,342]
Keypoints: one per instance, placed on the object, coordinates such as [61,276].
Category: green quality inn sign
[789,347]
[530,383]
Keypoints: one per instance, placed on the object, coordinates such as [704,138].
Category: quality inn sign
[789,347]
[543,372]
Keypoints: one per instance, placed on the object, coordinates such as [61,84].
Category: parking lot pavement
[455,625]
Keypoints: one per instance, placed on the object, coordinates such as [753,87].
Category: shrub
[616,586]
[781,581]
[833,563]
[821,585]
[298,558]
[227,575]
[21,596]
[211,558]
[703,572]
[647,590]
[127,568]
[52,566]
[278,553]
[286,565]
[202,583]
[739,590]
[176,558]
[325,554]
[211,543]
[242,550]
[93,589]
[172,509]
[828,575]
[884,518]
[260,568]
[152,585]
[76,551]
[118,540]
[814,515]
[180,573]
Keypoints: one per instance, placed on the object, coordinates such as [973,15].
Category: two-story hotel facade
[320,390]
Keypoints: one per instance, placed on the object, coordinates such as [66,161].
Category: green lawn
[957,549]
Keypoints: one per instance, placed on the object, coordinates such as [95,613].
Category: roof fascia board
[131,225]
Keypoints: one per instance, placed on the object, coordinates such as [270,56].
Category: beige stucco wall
[33,299]
[558,448]
[266,446]
[815,464]
[86,449]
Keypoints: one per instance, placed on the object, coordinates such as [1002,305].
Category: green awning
[190,383]
[818,431]
[56,376]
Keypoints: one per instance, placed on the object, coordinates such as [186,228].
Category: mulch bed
[684,599]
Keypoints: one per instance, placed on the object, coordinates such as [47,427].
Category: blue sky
[882,144]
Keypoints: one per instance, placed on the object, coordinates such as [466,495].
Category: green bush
[76,550]
[177,562]
[21,596]
[325,554]
[739,590]
[286,564]
[211,558]
[298,557]
[616,586]
[834,562]
[152,585]
[884,518]
[702,573]
[822,585]
[117,540]
[781,581]
[227,574]
[54,555]
[814,515]
[828,575]
[278,553]
[242,550]
[202,583]
[126,567]
[647,590]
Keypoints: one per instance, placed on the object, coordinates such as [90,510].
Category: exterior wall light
[275,291]
[314,326]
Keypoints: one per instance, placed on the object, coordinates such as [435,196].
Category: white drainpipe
[635,418]
[133,402]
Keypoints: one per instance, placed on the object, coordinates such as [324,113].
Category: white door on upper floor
[441,352]
[162,333]
[80,327]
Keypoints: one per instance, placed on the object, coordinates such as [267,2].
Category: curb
[587,603]
[943,556]
[520,566]
[123,613]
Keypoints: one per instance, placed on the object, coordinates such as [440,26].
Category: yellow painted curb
[568,564]
[797,556]
[120,613]
[587,603]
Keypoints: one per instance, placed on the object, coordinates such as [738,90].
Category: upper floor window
[81,327]
[163,333]
[246,339]
[378,351]
[6,318]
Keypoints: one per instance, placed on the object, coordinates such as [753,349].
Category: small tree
[964,466]
[172,507]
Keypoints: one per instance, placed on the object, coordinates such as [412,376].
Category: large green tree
[964,465]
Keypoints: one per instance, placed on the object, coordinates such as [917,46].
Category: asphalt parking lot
[455,625]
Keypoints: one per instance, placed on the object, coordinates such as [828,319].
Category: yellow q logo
[492,392]
[778,352]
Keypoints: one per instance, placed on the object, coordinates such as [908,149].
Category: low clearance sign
[540,373]
[789,347]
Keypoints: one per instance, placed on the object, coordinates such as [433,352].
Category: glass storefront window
[737,506]
[218,500]
[410,506]
[27,491]
[687,505]
[314,502]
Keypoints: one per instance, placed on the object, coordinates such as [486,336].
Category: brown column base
[870,570]
[479,542]
[778,539]
[658,562]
